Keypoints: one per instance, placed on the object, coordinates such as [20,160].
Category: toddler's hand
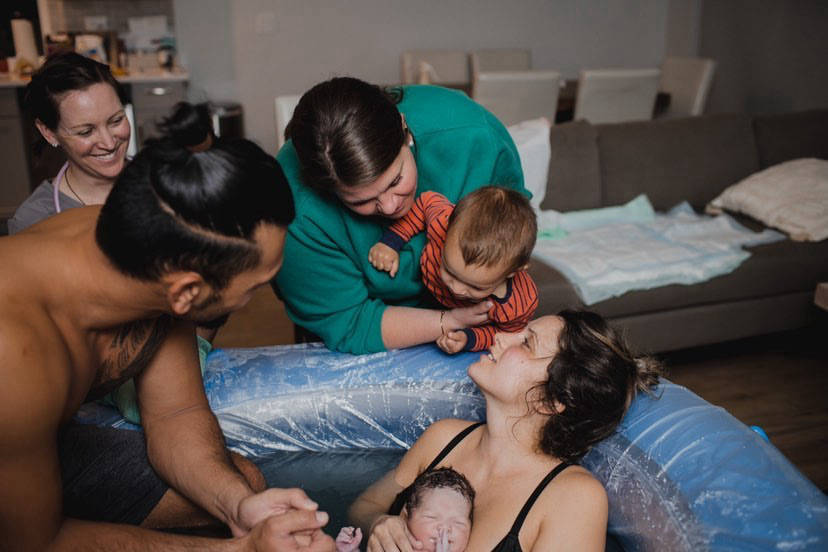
[384,258]
[452,342]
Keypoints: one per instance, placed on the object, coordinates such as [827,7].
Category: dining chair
[434,67]
[688,81]
[284,106]
[516,96]
[616,95]
[500,59]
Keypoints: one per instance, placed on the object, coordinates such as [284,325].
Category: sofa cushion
[531,139]
[789,136]
[691,159]
[791,196]
[574,173]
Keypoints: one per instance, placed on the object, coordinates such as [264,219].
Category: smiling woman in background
[77,105]
[357,156]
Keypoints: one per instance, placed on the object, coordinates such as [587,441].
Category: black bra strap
[453,443]
[521,517]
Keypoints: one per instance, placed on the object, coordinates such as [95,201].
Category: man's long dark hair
[173,208]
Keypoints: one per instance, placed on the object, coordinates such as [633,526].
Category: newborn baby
[438,513]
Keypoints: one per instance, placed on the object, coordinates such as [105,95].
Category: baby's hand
[452,342]
[348,539]
[384,258]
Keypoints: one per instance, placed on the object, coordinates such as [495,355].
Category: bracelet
[442,330]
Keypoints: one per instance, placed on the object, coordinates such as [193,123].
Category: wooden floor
[778,382]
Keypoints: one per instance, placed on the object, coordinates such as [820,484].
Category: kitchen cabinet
[151,102]
[14,184]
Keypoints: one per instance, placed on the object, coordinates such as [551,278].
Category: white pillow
[532,141]
[791,196]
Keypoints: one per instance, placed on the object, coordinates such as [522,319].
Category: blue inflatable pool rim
[680,473]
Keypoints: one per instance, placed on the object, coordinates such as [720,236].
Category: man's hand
[384,258]
[294,531]
[273,502]
[452,342]
[467,317]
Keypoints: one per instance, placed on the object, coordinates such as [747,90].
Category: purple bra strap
[56,185]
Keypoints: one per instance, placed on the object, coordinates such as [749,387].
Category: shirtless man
[95,296]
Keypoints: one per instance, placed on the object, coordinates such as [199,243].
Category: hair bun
[189,126]
[648,371]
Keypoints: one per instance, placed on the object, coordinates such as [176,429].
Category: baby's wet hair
[440,478]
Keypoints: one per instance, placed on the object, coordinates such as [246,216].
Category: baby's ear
[519,269]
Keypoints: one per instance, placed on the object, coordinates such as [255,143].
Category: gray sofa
[691,159]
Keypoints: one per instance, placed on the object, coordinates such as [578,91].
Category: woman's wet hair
[63,72]
[439,478]
[179,207]
[346,133]
[594,377]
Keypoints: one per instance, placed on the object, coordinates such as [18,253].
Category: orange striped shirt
[510,313]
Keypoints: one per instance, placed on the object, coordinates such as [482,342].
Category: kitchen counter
[10,81]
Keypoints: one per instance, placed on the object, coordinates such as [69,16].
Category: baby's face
[441,511]
[468,282]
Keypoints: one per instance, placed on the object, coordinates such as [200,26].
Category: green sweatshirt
[326,281]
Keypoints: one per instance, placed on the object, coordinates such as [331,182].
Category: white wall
[682,32]
[206,48]
[771,54]
[252,50]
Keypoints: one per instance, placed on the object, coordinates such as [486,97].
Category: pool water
[332,479]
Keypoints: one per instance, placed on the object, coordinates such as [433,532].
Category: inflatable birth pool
[680,473]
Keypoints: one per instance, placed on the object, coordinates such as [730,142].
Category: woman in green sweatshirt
[356,159]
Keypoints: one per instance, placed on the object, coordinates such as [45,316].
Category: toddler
[438,512]
[476,251]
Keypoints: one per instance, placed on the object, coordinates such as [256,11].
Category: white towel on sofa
[679,247]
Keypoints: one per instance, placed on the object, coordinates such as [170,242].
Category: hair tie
[204,145]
